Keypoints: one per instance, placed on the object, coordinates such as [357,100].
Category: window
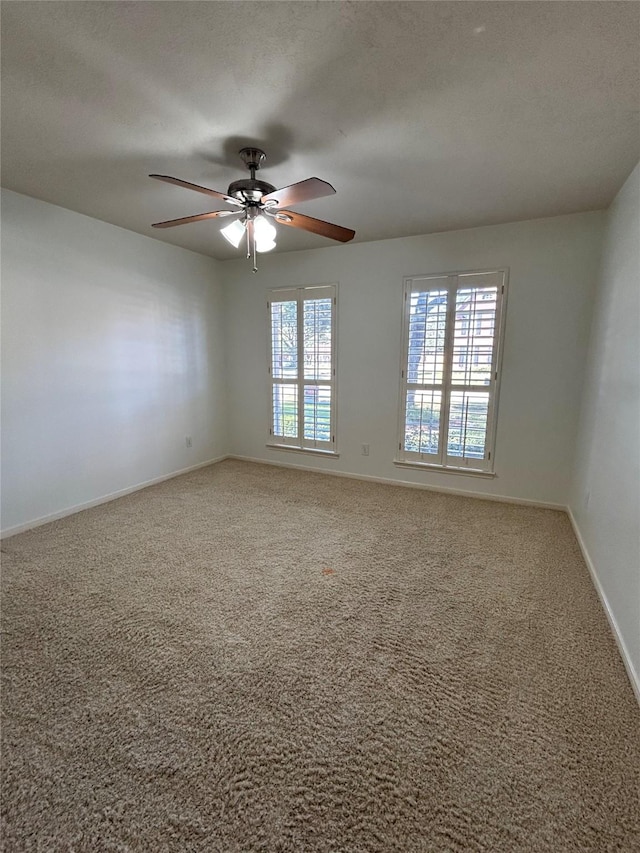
[450,372]
[302,367]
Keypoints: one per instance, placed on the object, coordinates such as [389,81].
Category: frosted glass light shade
[265,245]
[265,232]
[233,232]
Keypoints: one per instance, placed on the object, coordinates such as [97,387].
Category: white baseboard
[390,481]
[634,678]
[54,516]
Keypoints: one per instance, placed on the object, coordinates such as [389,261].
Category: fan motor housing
[250,190]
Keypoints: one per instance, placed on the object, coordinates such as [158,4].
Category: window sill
[312,450]
[441,469]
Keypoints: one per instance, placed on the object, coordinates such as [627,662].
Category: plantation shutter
[425,370]
[284,368]
[302,367]
[450,374]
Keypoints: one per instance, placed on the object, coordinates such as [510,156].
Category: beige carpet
[256,659]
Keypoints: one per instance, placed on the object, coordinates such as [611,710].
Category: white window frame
[441,461]
[300,443]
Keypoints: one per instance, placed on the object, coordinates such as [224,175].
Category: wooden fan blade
[317,226]
[302,191]
[169,180]
[198,216]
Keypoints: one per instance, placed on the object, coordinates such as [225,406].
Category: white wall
[112,352]
[553,270]
[605,495]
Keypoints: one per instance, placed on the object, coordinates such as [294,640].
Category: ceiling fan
[258,202]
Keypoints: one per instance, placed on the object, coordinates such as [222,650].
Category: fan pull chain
[251,242]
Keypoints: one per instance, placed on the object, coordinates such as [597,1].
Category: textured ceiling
[425,116]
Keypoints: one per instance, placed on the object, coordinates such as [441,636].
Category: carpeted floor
[249,659]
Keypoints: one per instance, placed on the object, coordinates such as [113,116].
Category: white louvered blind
[450,375]
[302,367]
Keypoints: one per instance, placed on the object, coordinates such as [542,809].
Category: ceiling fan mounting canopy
[255,200]
[252,158]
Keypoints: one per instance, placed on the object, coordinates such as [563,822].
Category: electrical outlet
[365,450]
[187,440]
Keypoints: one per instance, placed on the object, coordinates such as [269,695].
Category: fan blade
[302,191]
[317,226]
[198,216]
[169,180]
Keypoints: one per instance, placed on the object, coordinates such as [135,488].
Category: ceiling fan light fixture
[259,203]
[264,230]
[233,232]
[263,246]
